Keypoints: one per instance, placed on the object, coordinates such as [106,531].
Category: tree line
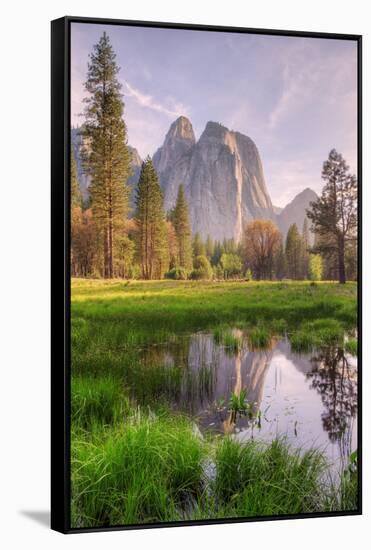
[106,242]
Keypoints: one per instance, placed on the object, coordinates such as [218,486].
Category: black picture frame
[60,268]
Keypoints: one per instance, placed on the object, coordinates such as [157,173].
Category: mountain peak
[135,157]
[214,130]
[295,210]
[181,128]
[306,195]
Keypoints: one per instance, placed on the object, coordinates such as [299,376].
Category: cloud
[173,109]
[300,80]
[287,178]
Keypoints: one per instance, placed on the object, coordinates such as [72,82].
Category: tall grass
[253,480]
[142,471]
[317,333]
[153,469]
[97,400]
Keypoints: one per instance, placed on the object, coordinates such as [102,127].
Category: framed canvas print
[206,274]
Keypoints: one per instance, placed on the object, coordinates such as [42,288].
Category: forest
[111,240]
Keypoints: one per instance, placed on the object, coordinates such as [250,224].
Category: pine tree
[76,196]
[280,264]
[198,246]
[217,253]
[106,157]
[209,247]
[293,252]
[182,228]
[152,229]
[305,250]
[334,213]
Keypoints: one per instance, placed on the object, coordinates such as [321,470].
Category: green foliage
[249,275]
[150,218]
[280,263]
[315,267]
[316,333]
[198,246]
[106,157]
[218,272]
[76,196]
[209,245]
[97,400]
[118,313]
[305,250]
[124,256]
[256,480]
[217,253]
[334,213]
[351,346]
[232,342]
[202,268]
[231,265]
[259,338]
[182,228]
[177,273]
[139,472]
[237,403]
[293,251]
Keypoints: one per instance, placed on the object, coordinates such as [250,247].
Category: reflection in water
[311,399]
[335,379]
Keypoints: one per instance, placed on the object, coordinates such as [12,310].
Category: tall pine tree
[76,196]
[305,250]
[334,213]
[106,156]
[198,246]
[293,251]
[183,230]
[152,230]
[209,247]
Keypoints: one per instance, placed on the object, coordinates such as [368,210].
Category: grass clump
[232,342]
[140,472]
[259,338]
[253,480]
[97,400]
[238,403]
[317,333]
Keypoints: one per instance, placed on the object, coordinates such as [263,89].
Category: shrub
[202,268]
[231,264]
[177,273]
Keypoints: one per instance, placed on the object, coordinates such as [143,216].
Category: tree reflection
[336,381]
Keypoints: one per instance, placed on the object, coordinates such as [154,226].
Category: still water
[311,399]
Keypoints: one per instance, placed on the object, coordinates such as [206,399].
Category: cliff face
[223,178]
[222,175]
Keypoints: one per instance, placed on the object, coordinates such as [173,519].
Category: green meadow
[134,458]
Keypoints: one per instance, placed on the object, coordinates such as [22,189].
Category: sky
[295,97]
